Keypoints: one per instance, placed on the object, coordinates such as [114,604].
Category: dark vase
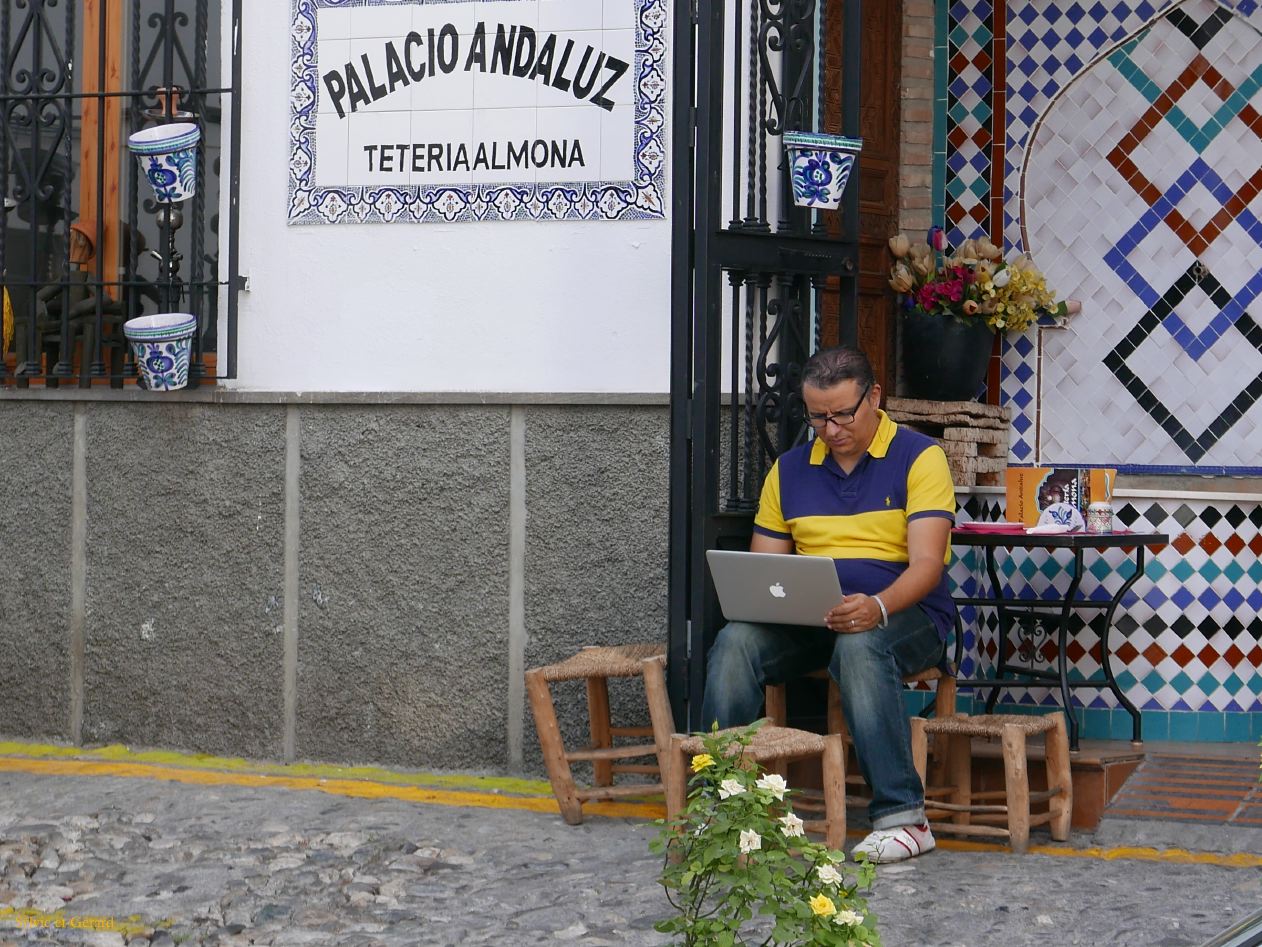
[944,358]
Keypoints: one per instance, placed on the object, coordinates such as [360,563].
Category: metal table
[1009,609]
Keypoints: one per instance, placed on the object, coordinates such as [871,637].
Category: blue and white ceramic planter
[168,159]
[820,166]
[161,345]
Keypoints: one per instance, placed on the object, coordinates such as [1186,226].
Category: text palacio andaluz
[587,73]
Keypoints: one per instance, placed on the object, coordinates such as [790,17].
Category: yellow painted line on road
[358,789]
[370,789]
[118,753]
[1176,856]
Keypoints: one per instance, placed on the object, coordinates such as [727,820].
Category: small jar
[1100,517]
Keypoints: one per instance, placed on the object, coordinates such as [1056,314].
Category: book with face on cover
[1031,490]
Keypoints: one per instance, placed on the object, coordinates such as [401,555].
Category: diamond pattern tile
[1130,128]
[969,113]
[1187,637]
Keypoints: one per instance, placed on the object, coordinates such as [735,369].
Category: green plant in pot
[740,870]
[954,302]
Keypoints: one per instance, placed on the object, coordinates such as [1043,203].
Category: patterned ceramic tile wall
[1129,141]
[1128,134]
[1189,635]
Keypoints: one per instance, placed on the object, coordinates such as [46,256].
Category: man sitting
[878,499]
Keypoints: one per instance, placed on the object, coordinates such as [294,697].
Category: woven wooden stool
[943,706]
[969,808]
[774,747]
[596,666]
[943,698]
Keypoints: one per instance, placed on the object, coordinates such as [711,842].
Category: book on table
[1031,490]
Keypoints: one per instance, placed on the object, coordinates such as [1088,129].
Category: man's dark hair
[829,367]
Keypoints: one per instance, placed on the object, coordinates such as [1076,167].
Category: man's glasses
[840,418]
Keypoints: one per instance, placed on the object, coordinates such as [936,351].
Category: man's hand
[927,540]
[856,613]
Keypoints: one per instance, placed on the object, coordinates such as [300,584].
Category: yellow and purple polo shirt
[860,519]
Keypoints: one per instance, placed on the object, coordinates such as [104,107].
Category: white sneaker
[895,845]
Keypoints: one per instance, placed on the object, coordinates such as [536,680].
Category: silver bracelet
[885,615]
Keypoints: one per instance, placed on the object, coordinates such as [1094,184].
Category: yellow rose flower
[701,761]
[823,905]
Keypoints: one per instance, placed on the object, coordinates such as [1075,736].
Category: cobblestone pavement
[165,864]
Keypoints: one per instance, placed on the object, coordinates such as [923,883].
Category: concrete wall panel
[403,586]
[185,576]
[596,546]
[36,441]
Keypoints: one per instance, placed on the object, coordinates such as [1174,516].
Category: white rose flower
[792,825]
[773,783]
[1001,279]
[751,841]
[828,875]
[730,787]
[848,918]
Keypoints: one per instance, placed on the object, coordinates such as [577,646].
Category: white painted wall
[505,307]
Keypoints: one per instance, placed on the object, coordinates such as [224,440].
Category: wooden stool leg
[675,789]
[660,714]
[959,753]
[943,706]
[1018,788]
[778,765]
[834,764]
[598,725]
[777,705]
[836,719]
[675,781]
[553,748]
[919,748]
[944,698]
[1059,774]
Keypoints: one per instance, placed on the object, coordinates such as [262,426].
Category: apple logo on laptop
[776,590]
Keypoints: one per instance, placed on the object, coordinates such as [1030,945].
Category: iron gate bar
[778,271]
[98,316]
[707,334]
[747,252]
[235,281]
[682,256]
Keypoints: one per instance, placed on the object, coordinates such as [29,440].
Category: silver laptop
[776,588]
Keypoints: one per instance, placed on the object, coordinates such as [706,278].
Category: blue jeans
[868,667]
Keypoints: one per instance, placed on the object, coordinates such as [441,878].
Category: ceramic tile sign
[454,110]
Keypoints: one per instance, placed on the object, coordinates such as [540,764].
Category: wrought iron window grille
[84,245]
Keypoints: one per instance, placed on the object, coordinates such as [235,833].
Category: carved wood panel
[878,174]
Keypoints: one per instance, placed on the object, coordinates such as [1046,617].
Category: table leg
[1005,624]
[1062,657]
[1137,735]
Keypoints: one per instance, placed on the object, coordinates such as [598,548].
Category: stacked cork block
[974,435]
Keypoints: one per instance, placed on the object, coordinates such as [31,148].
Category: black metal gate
[753,275]
[63,133]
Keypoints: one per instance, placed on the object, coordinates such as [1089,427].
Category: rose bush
[740,869]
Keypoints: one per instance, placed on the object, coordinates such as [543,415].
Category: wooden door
[878,178]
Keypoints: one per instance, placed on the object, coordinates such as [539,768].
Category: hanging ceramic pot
[168,159]
[820,166]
